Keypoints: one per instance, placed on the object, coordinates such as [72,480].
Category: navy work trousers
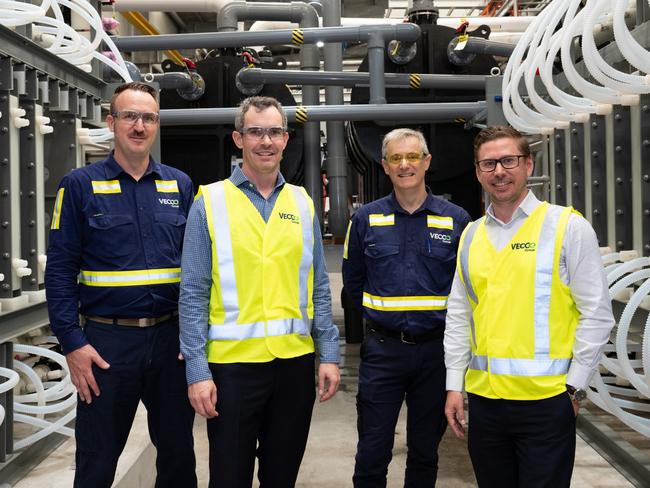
[517,444]
[390,372]
[265,411]
[144,365]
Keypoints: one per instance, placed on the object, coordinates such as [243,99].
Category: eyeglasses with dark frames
[259,133]
[506,162]
[131,117]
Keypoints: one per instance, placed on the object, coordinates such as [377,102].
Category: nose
[139,123]
[499,169]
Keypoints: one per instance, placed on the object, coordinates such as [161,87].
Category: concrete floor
[329,459]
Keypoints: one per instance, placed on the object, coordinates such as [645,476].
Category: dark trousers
[517,444]
[264,410]
[391,371]
[144,365]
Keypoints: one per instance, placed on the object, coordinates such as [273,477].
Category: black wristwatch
[576,394]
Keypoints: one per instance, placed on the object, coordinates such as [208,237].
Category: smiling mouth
[405,175]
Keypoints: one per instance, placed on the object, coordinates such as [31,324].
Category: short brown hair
[260,103]
[500,132]
[134,85]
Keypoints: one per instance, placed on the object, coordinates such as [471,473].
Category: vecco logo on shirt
[440,237]
[172,202]
[287,216]
[524,246]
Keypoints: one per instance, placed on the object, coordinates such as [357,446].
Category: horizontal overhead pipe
[232,13]
[478,45]
[398,113]
[256,76]
[211,40]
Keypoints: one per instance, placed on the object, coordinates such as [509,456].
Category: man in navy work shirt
[398,264]
[114,256]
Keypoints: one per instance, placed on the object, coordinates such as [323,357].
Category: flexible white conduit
[52,397]
[629,403]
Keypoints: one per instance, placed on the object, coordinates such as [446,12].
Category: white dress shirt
[581,268]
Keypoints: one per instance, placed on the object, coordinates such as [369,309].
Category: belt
[405,336]
[143,322]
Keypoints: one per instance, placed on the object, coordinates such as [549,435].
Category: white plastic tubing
[553,33]
[62,40]
[622,386]
[53,397]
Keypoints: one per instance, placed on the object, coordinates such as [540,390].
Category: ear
[427,162]
[385,165]
[530,165]
[237,138]
[110,121]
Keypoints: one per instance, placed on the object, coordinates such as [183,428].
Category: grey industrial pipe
[170,81]
[306,17]
[395,113]
[478,45]
[257,76]
[336,162]
[298,37]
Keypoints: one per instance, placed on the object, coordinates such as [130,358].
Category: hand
[203,397]
[328,376]
[80,362]
[576,407]
[455,413]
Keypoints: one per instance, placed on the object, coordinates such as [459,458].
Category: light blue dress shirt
[196,281]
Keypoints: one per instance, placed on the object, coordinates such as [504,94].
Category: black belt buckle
[405,340]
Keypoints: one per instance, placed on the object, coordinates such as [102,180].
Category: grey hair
[403,133]
[259,103]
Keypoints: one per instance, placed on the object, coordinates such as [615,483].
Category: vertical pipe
[336,161]
[377,88]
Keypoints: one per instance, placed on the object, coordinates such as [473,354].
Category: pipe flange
[456,55]
[197,90]
[248,89]
[401,52]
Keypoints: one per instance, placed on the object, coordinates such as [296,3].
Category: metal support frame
[597,180]
[559,194]
[622,178]
[7,402]
[577,164]
[645,172]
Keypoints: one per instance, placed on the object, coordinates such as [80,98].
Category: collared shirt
[391,253]
[197,280]
[104,220]
[581,268]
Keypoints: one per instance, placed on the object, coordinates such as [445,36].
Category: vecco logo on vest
[173,202]
[440,237]
[287,216]
[525,246]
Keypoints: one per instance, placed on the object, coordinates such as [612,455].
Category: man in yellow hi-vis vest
[254,299]
[528,316]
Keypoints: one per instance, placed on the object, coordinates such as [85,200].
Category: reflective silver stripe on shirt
[238,332]
[130,278]
[543,277]
[529,367]
[307,258]
[226,263]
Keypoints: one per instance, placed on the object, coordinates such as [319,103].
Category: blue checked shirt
[196,282]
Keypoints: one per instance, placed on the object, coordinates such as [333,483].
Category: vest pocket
[114,234]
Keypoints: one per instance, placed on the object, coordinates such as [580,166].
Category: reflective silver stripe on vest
[478,362]
[464,258]
[529,367]
[543,276]
[240,332]
[307,257]
[464,269]
[226,264]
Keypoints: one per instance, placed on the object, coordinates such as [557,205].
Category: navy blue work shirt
[395,264]
[115,245]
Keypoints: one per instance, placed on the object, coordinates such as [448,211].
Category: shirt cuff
[455,379]
[579,376]
[197,369]
[72,340]
[329,352]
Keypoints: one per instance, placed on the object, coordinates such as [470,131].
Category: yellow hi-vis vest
[523,322]
[262,275]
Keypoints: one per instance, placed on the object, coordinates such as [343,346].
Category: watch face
[580,395]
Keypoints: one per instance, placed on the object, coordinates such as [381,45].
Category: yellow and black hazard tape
[415,80]
[297,37]
[301,114]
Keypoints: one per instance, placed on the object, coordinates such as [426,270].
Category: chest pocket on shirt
[169,230]
[114,236]
[439,262]
[381,259]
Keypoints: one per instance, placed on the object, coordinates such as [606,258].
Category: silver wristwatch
[576,394]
